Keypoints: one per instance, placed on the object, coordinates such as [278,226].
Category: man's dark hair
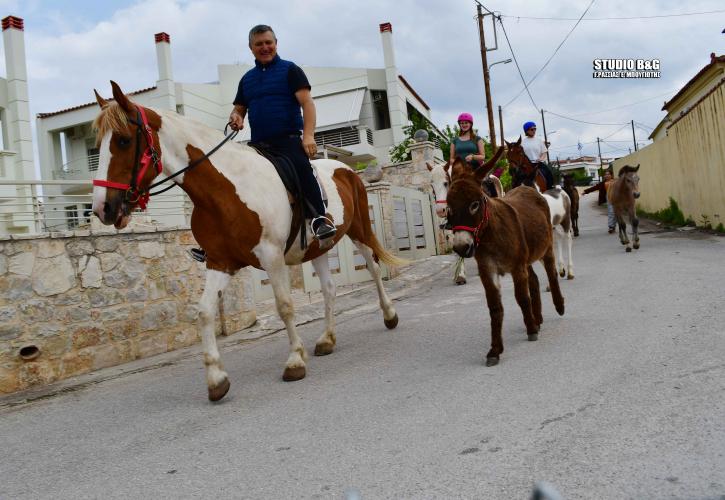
[259,29]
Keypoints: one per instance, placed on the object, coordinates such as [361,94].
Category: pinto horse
[440,179]
[506,235]
[241,217]
[622,195]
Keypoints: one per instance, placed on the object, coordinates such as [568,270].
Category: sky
[75,46]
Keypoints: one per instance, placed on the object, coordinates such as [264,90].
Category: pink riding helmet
[465,117]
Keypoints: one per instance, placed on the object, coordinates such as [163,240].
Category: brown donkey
[506,235]
[622,195]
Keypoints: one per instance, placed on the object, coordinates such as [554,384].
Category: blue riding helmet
[528,125]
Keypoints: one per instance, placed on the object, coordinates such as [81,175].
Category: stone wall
[78,301]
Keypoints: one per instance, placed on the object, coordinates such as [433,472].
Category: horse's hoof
[294,373]
[492,361]
[218,392]
[636,246]
[562,273]
[391,323]
[324,348]
[628,249]
[570,277]
[460,280]
[533,337]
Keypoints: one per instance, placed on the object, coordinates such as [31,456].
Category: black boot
[198,254]
[323,228]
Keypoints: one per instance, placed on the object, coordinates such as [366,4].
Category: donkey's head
[630,179]
[467,210]
[129,157]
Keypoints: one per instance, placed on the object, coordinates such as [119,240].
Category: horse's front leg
[558,236]
[326,343]
[570,260]
[635,229]
[295,368]
[217,380]
[390,316]
[492,288]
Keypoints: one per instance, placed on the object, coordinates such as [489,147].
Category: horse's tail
[383,255]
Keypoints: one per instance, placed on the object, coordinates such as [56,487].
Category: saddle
[286,170]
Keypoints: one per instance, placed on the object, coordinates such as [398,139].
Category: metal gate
[412,223]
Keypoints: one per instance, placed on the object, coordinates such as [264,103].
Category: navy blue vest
[273,109]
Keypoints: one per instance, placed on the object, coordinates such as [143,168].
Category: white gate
[412,223]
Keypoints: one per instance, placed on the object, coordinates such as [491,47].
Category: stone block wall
[78,301]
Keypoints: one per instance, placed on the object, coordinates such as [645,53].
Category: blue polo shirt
[268,93]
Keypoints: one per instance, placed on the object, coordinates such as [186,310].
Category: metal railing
[24,211]
[341,137]
[77,169]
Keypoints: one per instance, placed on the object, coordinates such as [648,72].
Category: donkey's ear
[430,167]
[519,141]
[484,169]
[637,167]
[100,100]
[120,97]
[447,166]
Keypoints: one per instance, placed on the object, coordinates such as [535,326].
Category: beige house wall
[688,164]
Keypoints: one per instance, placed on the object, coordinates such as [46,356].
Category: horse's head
[568,181]
[467,210]
[630,179]
[440,179]
[517,157]
[129,157]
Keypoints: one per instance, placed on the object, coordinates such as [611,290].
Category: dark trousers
[291,147]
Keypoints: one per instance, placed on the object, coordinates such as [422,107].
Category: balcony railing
[78,169]
[342,137]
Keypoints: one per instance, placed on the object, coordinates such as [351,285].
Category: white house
[16,150]
[361,113]
[589,165]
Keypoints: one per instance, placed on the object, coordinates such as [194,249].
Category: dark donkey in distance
[573,193]
[506,235]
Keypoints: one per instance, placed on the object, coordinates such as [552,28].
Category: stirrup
[198,254]
[326,229]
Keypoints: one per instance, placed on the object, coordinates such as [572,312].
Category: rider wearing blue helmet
[535,150]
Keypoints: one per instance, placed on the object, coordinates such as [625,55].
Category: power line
[552,55]
[620,128]
[523,80]
[582,121]
[614,18]
[626,105]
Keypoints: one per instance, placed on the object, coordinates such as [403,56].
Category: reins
[151,157]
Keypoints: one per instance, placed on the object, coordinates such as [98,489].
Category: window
[92,153]
[381,112]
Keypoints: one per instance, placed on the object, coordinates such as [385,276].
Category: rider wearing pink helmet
[467,146]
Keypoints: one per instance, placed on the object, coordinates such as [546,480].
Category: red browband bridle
[476,231]
[150,156]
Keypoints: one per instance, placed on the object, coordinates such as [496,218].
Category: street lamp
[505,61]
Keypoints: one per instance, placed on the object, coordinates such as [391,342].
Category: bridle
[476,231]
[151,156]
[142,161]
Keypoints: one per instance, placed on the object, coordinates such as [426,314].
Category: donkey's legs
[548,261]
[521,290]
[216,378]
[326,343]
[492,287]
[460,278]
[535,295]
[390,317]
[276,268]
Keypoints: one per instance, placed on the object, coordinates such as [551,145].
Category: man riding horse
[273,93]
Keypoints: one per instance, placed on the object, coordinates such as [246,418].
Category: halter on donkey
[506,235]
[241,215]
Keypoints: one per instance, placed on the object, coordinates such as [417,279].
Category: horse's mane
[112,118]
[626,169]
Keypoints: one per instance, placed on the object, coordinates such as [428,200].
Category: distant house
[689,96]
[361,113]
[587,165]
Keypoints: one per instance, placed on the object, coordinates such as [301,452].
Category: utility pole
[500,125]
[486,77]
[601,165]
[634,137]
[543,124]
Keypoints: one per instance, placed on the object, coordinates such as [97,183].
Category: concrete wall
[89,301]
[688,164]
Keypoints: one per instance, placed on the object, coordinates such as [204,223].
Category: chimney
[396,100]
[165,87]
[19,135]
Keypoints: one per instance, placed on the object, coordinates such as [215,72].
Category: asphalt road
[622,397]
